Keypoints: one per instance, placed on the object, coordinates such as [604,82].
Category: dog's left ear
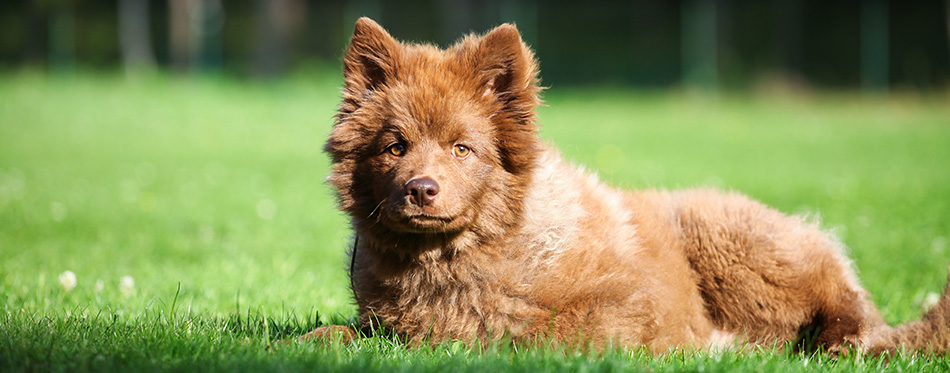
[507,74]
[506,69]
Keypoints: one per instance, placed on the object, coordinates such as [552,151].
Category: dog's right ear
[371,59]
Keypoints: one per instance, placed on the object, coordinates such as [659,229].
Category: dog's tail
[930,335]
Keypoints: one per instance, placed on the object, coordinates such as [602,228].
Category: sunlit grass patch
[183,224]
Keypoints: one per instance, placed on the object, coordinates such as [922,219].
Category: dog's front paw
[332,333]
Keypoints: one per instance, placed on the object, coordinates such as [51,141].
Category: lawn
[194,217]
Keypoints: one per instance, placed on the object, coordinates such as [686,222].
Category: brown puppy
[467,227]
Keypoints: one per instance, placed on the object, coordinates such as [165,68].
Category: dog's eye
[396,149]
[461,151]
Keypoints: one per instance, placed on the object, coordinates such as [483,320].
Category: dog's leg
[770,276]
[331,333]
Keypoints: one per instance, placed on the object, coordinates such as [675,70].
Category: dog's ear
[506,69]
[506,73]
[371,58]
[369,64]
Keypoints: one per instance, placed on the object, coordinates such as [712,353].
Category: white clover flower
[931,300]
[127,285]
[100,286]
[68,280]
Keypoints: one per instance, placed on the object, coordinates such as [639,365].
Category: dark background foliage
[869,44]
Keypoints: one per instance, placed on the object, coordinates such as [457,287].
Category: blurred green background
[167,155]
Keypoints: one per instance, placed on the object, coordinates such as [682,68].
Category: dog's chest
[445,300]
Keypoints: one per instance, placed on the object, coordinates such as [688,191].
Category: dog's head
[434,141]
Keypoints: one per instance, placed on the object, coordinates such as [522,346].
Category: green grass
[209,193]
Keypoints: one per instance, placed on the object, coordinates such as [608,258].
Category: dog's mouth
[420,222]
[399,215]
[428,222]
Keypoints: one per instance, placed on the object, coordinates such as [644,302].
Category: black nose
[422,192]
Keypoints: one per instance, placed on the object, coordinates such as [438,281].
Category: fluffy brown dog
[467,227]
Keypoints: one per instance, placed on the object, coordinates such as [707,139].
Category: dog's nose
[422,192]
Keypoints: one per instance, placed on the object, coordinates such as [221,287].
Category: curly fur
[519,244]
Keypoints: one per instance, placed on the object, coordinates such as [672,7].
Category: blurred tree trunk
[36,24]
[787,23]
[323,30]
[179,28]
[195,34]
[134,37]
[62,35]
[874,46]
[207,24]
[276,23]
[699,44]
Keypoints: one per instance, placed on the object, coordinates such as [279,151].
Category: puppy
[467,227]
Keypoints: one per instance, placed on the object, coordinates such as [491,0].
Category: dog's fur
[507,240]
